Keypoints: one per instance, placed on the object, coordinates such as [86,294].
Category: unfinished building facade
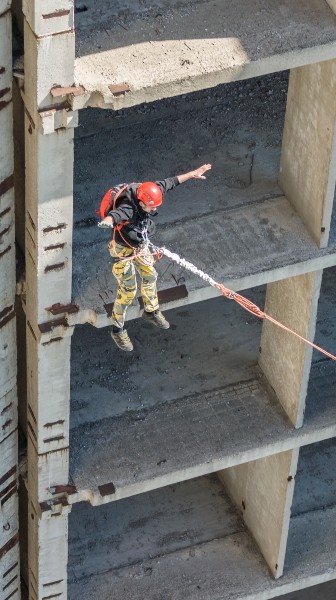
[201,466]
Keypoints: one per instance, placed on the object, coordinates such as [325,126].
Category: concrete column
[263,491]
[49,61]
[284,359]
[308,158]
[48,551]
[9,525]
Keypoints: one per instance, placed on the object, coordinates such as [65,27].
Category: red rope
[256,311]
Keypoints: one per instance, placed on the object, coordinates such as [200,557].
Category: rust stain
[2,70]
[7,475]
[4,103]
[59,91]
[6,409]
[5,186]
[31,330]
[7,547]
[31,220]
[6,424]
[50,325]
[58,339]
[57,13]
[4,231]
[4,212]
[119,89]
[57,309]
[4,92]
[8,318]
[60,422]
[58,227]
[56,438]
[5,251]
[55,267]
[55,247]
[106,489]
[32,414]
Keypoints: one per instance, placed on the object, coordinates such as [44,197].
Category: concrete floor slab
[143,527]
[164,49]
[121,404]
[146,449]
[229,567]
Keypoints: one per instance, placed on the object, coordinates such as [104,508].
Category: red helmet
[150,194]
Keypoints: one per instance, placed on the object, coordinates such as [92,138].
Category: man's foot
[121,338]
[157,318]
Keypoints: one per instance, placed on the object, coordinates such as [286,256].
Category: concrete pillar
[263,491]
[49,60]
[284,359]
[308,158]
[9,526]
[48,551]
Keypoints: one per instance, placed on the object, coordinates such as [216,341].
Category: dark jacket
[128,209]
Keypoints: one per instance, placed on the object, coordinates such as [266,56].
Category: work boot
[121,338]
[157,318]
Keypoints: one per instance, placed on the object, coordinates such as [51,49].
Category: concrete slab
[229,567]
[168,48]
[139,528]
[173,441]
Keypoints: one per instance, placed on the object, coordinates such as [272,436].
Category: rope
[227,293]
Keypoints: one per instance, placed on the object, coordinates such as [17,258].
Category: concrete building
[202,466]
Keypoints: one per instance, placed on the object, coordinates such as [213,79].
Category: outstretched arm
[196,174]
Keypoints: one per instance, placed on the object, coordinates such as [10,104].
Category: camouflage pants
[124,272]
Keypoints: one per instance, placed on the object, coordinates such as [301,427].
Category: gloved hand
[105,225]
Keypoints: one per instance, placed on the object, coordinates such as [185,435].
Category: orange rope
[256,311]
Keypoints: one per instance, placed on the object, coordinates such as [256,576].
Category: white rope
[185,264]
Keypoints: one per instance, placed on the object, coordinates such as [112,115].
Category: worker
[130,217]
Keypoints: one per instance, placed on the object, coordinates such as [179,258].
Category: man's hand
[197,174]
[106,223]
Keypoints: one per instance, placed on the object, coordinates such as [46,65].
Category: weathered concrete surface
[49,62]
[49,185]
[263,491]
[48,554]
[229,567]
[171,49]
[46,18]
[9,518]
[308,158]
[286,360]
[143,527]
[192,393]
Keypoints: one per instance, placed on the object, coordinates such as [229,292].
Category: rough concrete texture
[286,361]
[239,207]
[49,184]
[48,555]
[228,567]
[191,391]
[164,49]
[46,18]
[263,490]
[49,62]
[165,521]
[308,157]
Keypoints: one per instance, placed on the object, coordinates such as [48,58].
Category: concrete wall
[286,360]
[263,491]
[9,525]
[308,160]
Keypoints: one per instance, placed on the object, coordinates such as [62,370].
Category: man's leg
[124,273]
[145,268]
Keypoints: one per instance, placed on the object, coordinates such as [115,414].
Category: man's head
[149,196]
